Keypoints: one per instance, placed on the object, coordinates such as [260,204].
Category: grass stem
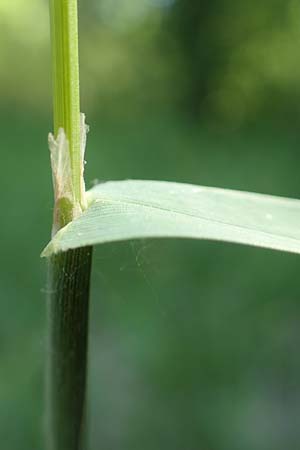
[69,272]
[68,305]
[65,75]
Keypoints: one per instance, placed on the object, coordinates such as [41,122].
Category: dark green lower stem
[68,307]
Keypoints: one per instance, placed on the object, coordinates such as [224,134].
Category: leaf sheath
[68,306]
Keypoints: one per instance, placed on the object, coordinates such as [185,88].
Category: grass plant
[116,211]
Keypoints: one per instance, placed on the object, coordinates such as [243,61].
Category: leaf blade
[134,209]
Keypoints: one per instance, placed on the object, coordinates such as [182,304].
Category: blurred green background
[194,345]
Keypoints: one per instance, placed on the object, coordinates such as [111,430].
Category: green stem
[69,272]
[68,300]
[65,69]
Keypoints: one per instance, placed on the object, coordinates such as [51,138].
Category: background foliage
[193,344]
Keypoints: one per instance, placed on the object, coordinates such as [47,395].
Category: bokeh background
[194,345]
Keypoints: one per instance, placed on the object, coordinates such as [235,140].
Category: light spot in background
[20,19]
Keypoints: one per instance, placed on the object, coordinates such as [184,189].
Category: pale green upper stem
[65,63]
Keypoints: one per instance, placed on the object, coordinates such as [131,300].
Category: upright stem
[69,272]
[68,300]
[65,70]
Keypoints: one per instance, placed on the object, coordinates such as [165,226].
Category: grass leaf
[132,209]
